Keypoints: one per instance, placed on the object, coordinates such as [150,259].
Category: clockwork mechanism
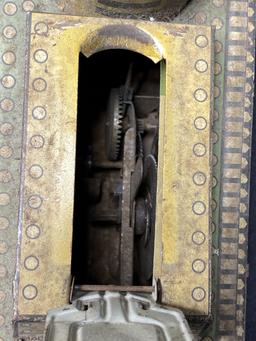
[117,177]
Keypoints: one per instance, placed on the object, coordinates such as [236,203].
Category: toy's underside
[125,153]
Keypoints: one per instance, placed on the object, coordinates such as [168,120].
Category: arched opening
[116,169]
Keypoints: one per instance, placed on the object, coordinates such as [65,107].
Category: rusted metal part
[118,288]
[127,230]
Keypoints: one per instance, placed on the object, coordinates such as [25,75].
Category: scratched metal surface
[234,74]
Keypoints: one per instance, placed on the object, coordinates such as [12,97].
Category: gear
[115,114]
[146,228]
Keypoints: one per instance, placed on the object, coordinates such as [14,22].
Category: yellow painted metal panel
[182,229]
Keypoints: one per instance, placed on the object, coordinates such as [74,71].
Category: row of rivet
[35,171]
[7,105]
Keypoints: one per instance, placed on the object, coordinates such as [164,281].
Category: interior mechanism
[116,170]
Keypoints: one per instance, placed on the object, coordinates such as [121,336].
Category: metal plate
[183,212]
[47,197]
[214,12]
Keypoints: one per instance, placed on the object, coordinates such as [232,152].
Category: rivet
[198,266]
[199,178]
[35,201]
[10,8]
[6,152]
[200,95]
[33,231]
[36,171]
[8,81]
[199,208]
[198,294]
[218,23]
[7,104]
[39,113]
[201,41]
[9,32]
[41,28]
[9,57]
[4,223]
[198,237]
[39,84]
[40,56]
[201,65]
[6,128]
[4,199]
[3,247]
[200,123]
[5,176]
[37,141]
[31,263]
[199,149]
[28,6]
[30,292]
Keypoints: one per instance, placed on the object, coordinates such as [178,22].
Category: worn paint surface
[228,291]
[50,154]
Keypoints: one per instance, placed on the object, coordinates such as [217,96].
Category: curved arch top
[122,36]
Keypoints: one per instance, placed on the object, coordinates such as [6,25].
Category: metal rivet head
[198,294]
[4,223]
[3,247]
[40,56]
[199,178]
[30,292]
[199,208]
[9,32]
[8,81]
[6,152]
[198,266]
[200,123]
[36,171]
[201,41]
[7,104]
[31,263]
[3,271]
[198,237]
[39,113]
[35,201]
[201,65]
[200,95]
[199,149]
[39,84]
[33,231]
[218,23]
[9,58]
[28,6]
[4,199]
[41,28]
[37,141]
[10,8]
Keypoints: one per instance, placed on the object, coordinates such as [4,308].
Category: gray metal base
[113,316]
